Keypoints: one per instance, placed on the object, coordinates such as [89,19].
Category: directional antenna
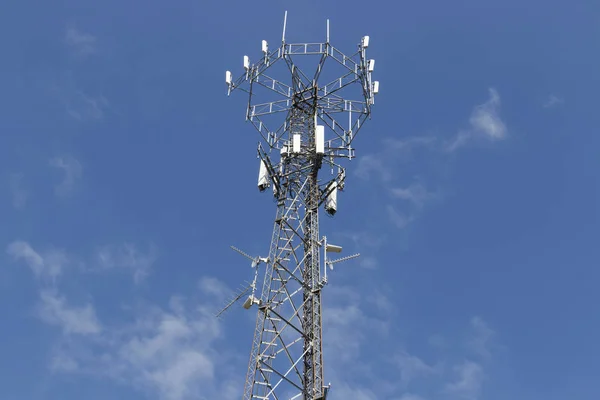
[248,287]
[255,260]
[332,248]
[331,262]
[238,295]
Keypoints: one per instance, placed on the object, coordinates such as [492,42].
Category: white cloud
[82,44]
[368,262]
[411,367]
[169,354]
[214,287]
[347,390]
[468,382]
[63,363]
[484,122]
[485,119]
[343,318]
[380,301]
[553,101]
[53,307]
[72,320]
[372,165]
[415,193]
[350,326]
[400,220]
[72,172]
[17,190]
[365,239]
[126,257]
[84,107]
[49,266]
[381,165]
[482,338]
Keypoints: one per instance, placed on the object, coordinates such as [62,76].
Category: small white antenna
[327,30]
[284,24]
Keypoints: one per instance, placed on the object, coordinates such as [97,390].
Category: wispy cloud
[399,219]
[46,267]
[84,107]
[72,172]
[351,327]
[166,352]
[82,44]
[17,190]
[484,123]
[482,338]
[55,310]
[553,101]
[343,315]
[468,382]
[125,257]
[367,243]
[415,193]
[381,165]
[411,367]
[371,165]
[79,104]
[170,351]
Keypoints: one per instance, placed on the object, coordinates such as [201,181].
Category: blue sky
[126,173]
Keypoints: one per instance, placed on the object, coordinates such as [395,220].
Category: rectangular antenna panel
[320,139]
[263,176]
[296,143]
[371,65]
[246,62]
[375,87]
[228,77]
[331,200]
[365,42]
[265,47]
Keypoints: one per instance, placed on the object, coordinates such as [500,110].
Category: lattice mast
[307,126]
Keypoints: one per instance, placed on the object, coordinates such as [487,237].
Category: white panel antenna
[371,65]
[263,176]
[331,200]
[365,42]
[320,139]
[296,143]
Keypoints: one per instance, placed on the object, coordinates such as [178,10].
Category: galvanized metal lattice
[307,126]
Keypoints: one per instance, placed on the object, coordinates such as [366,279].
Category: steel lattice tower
[307,126]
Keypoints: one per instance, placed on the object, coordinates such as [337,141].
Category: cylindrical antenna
[327,30]
[284,24]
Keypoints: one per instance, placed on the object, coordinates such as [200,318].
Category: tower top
[336,75]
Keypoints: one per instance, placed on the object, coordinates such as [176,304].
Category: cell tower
[305,125]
